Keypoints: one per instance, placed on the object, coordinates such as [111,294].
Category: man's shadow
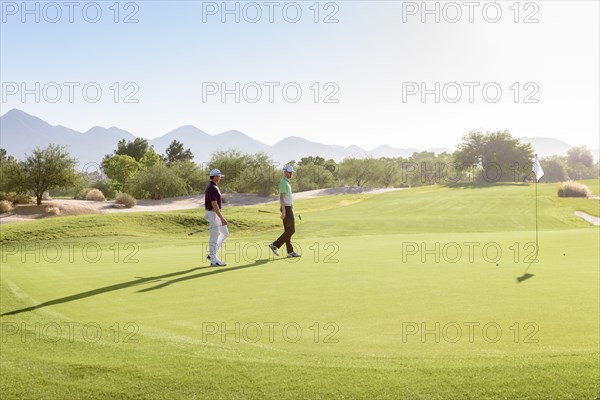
[135,282]
[203,274]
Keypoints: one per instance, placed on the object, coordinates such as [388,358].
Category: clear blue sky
[370,53]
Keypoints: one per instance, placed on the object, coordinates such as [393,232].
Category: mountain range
[20,133]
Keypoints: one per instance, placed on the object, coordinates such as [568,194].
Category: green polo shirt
[285,187]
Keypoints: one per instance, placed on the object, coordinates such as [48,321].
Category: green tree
[580,163]
[331,166]
[77,188]
[175,152]
[150,158]
[311,160]
[421,168]
[580,155]
[120,168]
[555,168]
[359,171]
[7,166]
[390,171]
[46,168]
[231,163]
[313,176]
[499,156]
[258,175]
[312,173]
[136,149]
[156,182]
[422,156]
[194,178]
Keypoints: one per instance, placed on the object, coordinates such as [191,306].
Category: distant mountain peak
[232,133]
[383,147]
[186,129]
[543,139]
[94,128]
[16,112]
[290,140]
[544,146]
[22,132]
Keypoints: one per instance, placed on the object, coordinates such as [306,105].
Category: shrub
[192,175]
[5,206]
[157,182]
[106,187]
[126,199]
[53,210]
[573,189]
[80,194]
[15,198]
[95,195]
[21,199]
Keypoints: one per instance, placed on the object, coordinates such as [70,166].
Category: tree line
[136,168]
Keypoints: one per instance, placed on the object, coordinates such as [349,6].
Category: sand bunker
[78,207]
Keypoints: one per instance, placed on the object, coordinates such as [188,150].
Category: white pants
[218,233]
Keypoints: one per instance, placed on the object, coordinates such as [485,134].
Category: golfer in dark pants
[287,215]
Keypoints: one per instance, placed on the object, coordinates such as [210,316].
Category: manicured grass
[356,317]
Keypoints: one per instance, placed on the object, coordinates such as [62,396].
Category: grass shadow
[203,274]
[524,277]
[527,275]
[135,282]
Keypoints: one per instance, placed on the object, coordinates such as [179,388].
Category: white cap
[288,168]
[215,172]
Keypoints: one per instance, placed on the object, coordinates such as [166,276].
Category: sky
[354,72]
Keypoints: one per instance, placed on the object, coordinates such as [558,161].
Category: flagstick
[525,275]
[537,246]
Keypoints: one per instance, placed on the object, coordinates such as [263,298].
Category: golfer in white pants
[217,222]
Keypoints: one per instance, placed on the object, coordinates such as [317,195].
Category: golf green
[426,293]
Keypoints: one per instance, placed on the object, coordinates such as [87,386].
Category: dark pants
[289,226]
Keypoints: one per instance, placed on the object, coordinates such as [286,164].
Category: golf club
[272,212]
[202,230]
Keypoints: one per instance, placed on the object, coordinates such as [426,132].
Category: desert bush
[53,210]
[95,195]
[21,199]
[107,188]
[126,199]
[15,198]
[5,206]
[573,189]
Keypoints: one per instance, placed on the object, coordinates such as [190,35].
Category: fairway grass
[411,294]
